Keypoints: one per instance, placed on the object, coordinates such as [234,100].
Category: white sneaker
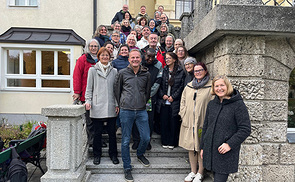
[171,147]
[198,178]
[119,131]
[190,177]
[165,146]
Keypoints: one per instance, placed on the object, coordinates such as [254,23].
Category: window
[23,2]
[182,6]
[291,101]
[34,69]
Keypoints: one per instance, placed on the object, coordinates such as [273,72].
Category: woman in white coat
[100,100]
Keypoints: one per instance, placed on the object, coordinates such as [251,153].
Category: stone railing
[66,150]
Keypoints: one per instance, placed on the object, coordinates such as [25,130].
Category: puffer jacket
[121,62]
[132,91]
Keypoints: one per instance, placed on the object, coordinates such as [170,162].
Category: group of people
[124,85]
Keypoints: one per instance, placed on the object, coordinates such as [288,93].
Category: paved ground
[34,173]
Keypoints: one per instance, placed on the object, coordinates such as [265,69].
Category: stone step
[142,178]
[159,165]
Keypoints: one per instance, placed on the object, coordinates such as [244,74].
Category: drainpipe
[94,15]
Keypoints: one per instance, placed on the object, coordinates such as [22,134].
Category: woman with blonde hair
[226,126]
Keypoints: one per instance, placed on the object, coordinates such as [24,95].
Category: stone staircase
[166,165]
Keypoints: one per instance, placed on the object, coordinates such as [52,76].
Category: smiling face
[134,59]
[103,31]
[180,53]
[189,67]
[117,27]
[146,32]
[157,16]
[104,58]
[199,72]
[153,40]
[110,48]
[125,7]
[152,24]
[149,57]
[142,10]
[127,16]
[169,41]
[163,18]
[143,22]
[124,51]
[116,37]
[131,41]
[177,43]
[169,60]
[220,88]
[93,47]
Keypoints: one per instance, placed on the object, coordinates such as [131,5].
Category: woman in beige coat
[194,100]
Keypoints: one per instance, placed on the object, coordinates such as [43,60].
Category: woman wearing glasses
[194,100]
[83,64]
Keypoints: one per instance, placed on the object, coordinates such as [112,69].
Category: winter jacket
[188,77]
[132,91]
[193,107]
[119,16]
[160,56]
[102,39]
[121,62]
[226,122]
[156,72]
[80,74]
[139,15]
[100,94]
[176,89]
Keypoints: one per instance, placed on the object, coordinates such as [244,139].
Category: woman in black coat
[170,94]
[226,126]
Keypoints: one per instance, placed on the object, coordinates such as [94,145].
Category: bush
[14,132]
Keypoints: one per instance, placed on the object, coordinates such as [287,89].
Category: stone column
[65,151]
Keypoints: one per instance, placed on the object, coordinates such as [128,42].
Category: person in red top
[83,64]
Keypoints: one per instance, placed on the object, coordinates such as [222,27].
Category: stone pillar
[185,27]
[65,151]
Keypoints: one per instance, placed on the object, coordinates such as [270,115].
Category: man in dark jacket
[155,68]
[132,91]
[119,16]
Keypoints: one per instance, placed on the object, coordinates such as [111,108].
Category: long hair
[175,68]
[96,33]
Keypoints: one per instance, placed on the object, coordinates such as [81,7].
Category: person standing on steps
[132,91]
[194,100]
[226,127]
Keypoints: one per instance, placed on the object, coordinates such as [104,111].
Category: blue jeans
[128,117]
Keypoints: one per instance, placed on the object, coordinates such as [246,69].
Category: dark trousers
[111,130]
[135,133]
[170,126]
[89,127]
[220,177]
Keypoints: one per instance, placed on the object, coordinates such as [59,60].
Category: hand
[201,154]
[224,148]
[76,96]
[170,99]
[87,106]
[117,110]
[165,97]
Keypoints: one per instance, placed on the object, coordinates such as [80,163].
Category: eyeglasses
[93,46]
[198,71]
[115,35]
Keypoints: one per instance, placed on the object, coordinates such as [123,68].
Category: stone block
[255,110]
[287,153]
[207,56]
[275,110]
[274,132]
[273,69]
[249,89]
[255,136]
[276,90]
[270,153]
[246,65]
[239,45]
[63,110]
[281,50]
[278,173]
[251,155]
[247,174]
[221,65]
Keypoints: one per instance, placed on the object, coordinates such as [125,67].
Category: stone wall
[259,67]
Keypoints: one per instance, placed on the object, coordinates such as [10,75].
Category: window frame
[38,76]
[11,3]
[182,7]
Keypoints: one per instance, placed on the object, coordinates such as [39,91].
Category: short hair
[157,12]
[164,24]
[144,28]
[107,43]
[200,64]
[116,31]
[96,33]
[161,6]
[135,50]
[229,86]
[143,18]
[151,50]
[102,50]
[142,6]
[123,45]
[131,35]
[86,48]
[171,37]
[185,50]
[179,40]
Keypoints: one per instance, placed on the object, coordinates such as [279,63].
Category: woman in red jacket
[83,64]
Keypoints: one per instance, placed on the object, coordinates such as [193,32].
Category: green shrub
[14,132]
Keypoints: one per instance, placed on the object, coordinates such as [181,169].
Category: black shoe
[96,160]
[128,175]
[143,160]
[114,160]
[149,147]
[135,145]
[103,144]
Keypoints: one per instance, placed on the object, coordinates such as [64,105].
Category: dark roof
[41,36]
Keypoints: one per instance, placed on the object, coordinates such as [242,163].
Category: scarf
[126,29]
[117,45]
[94,57]
[200,84]
[104,68]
